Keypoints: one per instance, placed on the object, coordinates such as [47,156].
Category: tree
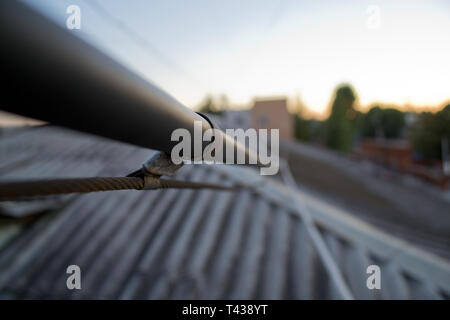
[301,128]
[382,123]
[341,122]
[429,131]
[209,105]
[301,125]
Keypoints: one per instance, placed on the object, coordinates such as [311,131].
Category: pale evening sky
[247,48]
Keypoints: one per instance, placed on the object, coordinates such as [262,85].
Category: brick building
[396,153]
[265,114]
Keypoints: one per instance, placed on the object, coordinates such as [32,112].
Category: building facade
[273,114]
[265,114]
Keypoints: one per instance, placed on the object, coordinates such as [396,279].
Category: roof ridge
[409,257]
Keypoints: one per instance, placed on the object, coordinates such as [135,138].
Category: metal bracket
[160,164]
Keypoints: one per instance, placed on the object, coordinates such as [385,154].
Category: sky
[394,52]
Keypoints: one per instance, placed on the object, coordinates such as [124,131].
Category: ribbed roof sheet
[179,244]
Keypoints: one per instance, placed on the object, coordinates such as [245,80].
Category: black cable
[176,184]
[24,190]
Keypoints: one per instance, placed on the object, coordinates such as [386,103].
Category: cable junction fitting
[146,178]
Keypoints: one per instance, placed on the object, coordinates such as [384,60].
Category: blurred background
[363,69]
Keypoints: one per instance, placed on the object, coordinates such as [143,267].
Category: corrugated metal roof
[199,244]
